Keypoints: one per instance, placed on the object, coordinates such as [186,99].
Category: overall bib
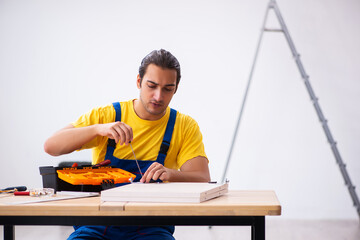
[131,232]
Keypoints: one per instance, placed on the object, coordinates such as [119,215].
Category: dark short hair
[163,59]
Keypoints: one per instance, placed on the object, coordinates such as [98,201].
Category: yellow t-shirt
[186,142]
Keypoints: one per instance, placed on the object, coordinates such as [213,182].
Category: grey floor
[275,229]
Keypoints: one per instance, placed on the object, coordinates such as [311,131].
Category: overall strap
[117,108]
[167,137]
[111,142]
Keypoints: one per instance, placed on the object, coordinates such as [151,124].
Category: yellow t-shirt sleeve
[100,115]
[192,145]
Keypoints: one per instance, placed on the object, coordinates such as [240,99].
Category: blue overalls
[131,232]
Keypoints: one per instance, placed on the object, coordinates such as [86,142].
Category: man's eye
[169,89]
[151,86]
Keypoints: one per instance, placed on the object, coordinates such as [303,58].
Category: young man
[167,144]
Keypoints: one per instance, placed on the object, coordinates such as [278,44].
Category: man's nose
[158,95]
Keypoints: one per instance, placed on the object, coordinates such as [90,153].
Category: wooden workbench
[234,208]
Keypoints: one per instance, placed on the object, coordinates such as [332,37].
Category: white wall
[58,59]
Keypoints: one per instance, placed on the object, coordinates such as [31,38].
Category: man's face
[156,91]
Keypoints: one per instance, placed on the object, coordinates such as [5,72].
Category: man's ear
[138,81]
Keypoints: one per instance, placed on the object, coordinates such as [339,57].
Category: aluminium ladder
[273,5]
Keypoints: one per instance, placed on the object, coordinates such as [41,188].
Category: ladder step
[342,165]
[315,100]
[273,30]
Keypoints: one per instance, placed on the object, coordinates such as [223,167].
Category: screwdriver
[12,189]
[103,163]
[135,159]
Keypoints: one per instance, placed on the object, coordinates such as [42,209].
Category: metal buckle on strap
[164,148]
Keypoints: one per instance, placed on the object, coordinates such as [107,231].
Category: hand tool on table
[13,189]
[24,193]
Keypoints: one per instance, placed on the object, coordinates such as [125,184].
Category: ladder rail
[317,107]
[245,96]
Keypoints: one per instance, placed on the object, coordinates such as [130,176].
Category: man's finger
[120,133]
[127,133]
[113,135]
[158,173]
[143,179]
[164,176]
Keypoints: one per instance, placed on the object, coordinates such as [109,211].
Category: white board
[164,192]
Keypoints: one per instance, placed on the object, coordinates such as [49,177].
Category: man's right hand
[69,138]
[119,131]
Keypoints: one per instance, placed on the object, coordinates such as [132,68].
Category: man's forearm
[196,176]
[69,139]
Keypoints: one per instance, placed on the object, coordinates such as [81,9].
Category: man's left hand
[156,171]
